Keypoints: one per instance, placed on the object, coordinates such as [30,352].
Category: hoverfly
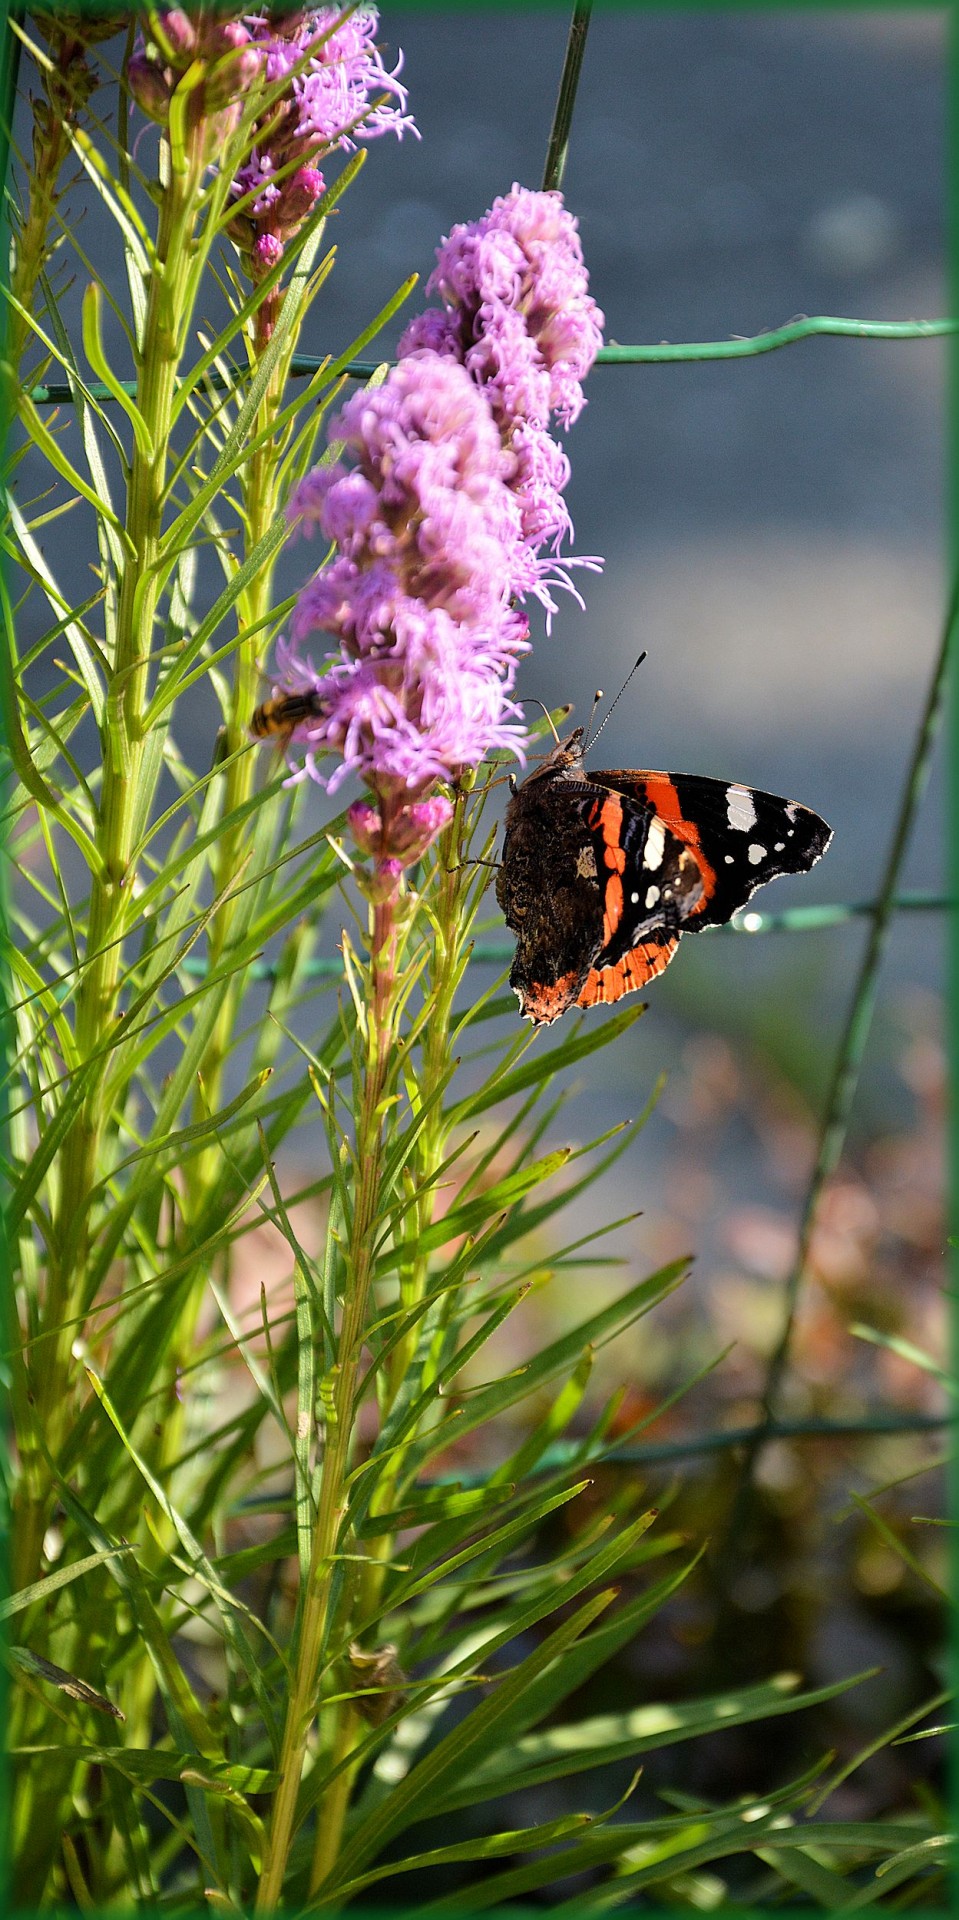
[277,718]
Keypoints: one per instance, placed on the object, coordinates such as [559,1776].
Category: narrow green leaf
[541,1757]
[40,1669]
[546,1063]
[42,1589]
[94,350]
[467,1743]
[53,453]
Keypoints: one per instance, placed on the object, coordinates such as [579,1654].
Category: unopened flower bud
[242,231]
[366,825]
[297,199]
[149,87]
[176,36]
[229,80]
[227,36]
[401,834]
[383,883]
[231,60]
[267,250]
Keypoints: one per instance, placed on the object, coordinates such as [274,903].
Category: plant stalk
[121,808]
[328,1541]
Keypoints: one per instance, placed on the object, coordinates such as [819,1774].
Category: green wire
[791,920]
[303,365]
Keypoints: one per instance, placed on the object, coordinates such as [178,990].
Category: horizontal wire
[655,1452]
[303,365]
[791,920]
[659,1452]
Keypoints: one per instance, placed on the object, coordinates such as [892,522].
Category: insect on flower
[276,718]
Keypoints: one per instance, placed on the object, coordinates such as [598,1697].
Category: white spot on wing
[756,853]
[780,846]
[634,899]
[740,811]
[655,845]
[651,897]
[729,860]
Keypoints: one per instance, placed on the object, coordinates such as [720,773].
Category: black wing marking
[740,836]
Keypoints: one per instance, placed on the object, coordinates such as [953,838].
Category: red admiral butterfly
[602,873]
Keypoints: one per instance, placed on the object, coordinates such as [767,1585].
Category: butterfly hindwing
[605,983]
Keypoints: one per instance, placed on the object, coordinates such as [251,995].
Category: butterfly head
[563,762]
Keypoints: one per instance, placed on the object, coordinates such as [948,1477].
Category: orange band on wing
[606,819]
[642,963]
[612,907]
[661,792]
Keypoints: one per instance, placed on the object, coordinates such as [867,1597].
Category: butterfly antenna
[598,696]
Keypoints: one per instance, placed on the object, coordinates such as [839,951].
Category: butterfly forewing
[740,836]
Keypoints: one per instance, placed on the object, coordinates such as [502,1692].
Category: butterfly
[603,872]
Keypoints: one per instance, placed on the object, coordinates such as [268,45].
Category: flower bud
[297,199]
[226,36]
[242,231]
[267,250]
[149,87]
[230,78]
[383,883]
[176,36]
[366,825]
[401,833]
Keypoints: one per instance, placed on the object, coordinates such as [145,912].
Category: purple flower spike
[445,509]
[334,72]
[518,315]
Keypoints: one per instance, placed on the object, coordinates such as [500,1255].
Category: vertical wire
[559,133]
[852,1046]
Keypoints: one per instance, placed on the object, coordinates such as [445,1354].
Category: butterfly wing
[605,983]
[739,837]
[596,890]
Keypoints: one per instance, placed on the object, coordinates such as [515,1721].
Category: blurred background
[773,534]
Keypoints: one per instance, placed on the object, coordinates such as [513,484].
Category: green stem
[558,144]
[261,508]
[431,1149]
[334,1805]
[121,808]
[328,1541]
[654,353]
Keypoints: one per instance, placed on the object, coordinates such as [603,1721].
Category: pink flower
[446,508]
[419,594]
[334,72]
[519,316]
